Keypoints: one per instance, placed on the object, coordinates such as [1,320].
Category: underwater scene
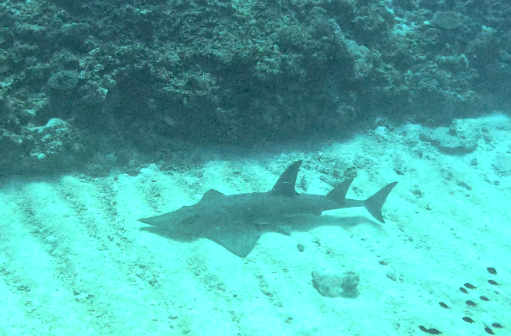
[255,167]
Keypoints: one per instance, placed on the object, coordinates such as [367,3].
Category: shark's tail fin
[374,203]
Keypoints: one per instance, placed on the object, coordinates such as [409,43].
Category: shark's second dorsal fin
[339,193]
[286,183]
[211,195]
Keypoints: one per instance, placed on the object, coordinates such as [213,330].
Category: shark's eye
[190,219]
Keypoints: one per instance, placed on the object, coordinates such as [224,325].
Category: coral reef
[134,73]
[336,284]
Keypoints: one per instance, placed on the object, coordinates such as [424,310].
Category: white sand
[73,260]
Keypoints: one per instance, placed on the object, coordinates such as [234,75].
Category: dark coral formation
[336,284]
[136,73]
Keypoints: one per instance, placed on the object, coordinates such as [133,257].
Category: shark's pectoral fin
[239,238]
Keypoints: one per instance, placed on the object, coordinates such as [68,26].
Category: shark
[237,221]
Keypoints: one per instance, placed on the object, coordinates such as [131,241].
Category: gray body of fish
[237,221]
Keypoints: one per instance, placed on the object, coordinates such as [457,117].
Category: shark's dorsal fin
[211,195]
[286,183]
[339,193]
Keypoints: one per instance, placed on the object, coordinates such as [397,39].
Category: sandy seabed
[74,260]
